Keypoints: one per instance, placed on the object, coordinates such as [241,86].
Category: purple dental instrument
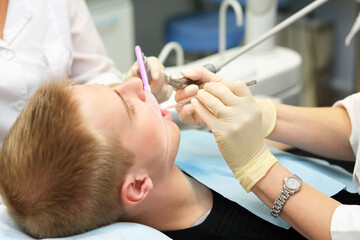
[140,59]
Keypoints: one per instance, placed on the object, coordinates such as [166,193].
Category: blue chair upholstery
[199,32]
[243,2]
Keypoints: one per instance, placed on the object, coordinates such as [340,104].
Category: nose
[132,86]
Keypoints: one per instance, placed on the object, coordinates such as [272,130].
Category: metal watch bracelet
[292,184]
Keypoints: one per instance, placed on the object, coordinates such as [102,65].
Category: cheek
[152,137]
[155,140]
[174,141]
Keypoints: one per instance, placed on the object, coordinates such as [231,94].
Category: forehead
[84,91]
[100,105]
[91,97]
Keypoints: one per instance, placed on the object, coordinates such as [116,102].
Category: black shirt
[229,221]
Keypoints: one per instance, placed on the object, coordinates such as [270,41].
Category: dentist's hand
[187,113]
[161,91]
[268,111]
[236,123]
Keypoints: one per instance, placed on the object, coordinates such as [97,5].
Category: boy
[83,156]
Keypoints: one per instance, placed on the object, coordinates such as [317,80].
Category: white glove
[268,111]
[236,123]
[161,91]
[188,115]
[186,112]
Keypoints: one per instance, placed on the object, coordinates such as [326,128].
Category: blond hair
[57,176]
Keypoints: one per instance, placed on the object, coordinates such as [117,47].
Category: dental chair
[198,32]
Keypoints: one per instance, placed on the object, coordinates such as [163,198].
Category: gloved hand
[161,91]
[236,123]
[188,115]
[268,119]
[186,112]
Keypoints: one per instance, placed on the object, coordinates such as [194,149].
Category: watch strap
[283,197]
[280,201]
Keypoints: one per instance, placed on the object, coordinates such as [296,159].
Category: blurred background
[328,70]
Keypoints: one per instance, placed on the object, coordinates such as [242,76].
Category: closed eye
[128,105]
[131,106]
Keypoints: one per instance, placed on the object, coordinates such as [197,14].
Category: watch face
[293,183]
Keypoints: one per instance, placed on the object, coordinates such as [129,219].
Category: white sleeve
[345,223]
[90,61]
[352,106]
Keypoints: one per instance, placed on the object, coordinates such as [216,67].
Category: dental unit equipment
[141,59]
[182,82]
[355,28]
[187,101]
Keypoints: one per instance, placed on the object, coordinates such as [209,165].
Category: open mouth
[166,114]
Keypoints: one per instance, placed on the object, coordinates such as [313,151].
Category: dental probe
[183,82]
[188,100]
[144,76]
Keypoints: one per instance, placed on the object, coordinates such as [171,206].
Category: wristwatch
[292,184]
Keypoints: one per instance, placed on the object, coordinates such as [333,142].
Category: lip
[151,100]
[166,114]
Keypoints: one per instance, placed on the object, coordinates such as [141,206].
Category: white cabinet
[114,20]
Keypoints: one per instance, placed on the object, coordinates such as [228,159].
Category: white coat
[43,39]
[345,223]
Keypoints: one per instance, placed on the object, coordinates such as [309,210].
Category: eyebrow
[125,103]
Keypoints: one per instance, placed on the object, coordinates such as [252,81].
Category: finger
[222,92]
[132,71]
[135,71]
[202,74]
[239,88]
[204,113]
[212,103]
[189,116]
[156,68]
[179,109]
[164,94]
[186,114]
[189,91]
[157,84]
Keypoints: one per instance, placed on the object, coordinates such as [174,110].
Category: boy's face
[133,116]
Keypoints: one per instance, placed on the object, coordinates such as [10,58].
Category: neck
[177,204]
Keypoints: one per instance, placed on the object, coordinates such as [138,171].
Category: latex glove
[268,111]
[188,115]
[161,91]
[236,123]
[186,112]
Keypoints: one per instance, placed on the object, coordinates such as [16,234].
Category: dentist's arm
[236,123]
[323,131]
[308,211]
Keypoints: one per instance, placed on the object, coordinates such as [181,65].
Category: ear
[135,188]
